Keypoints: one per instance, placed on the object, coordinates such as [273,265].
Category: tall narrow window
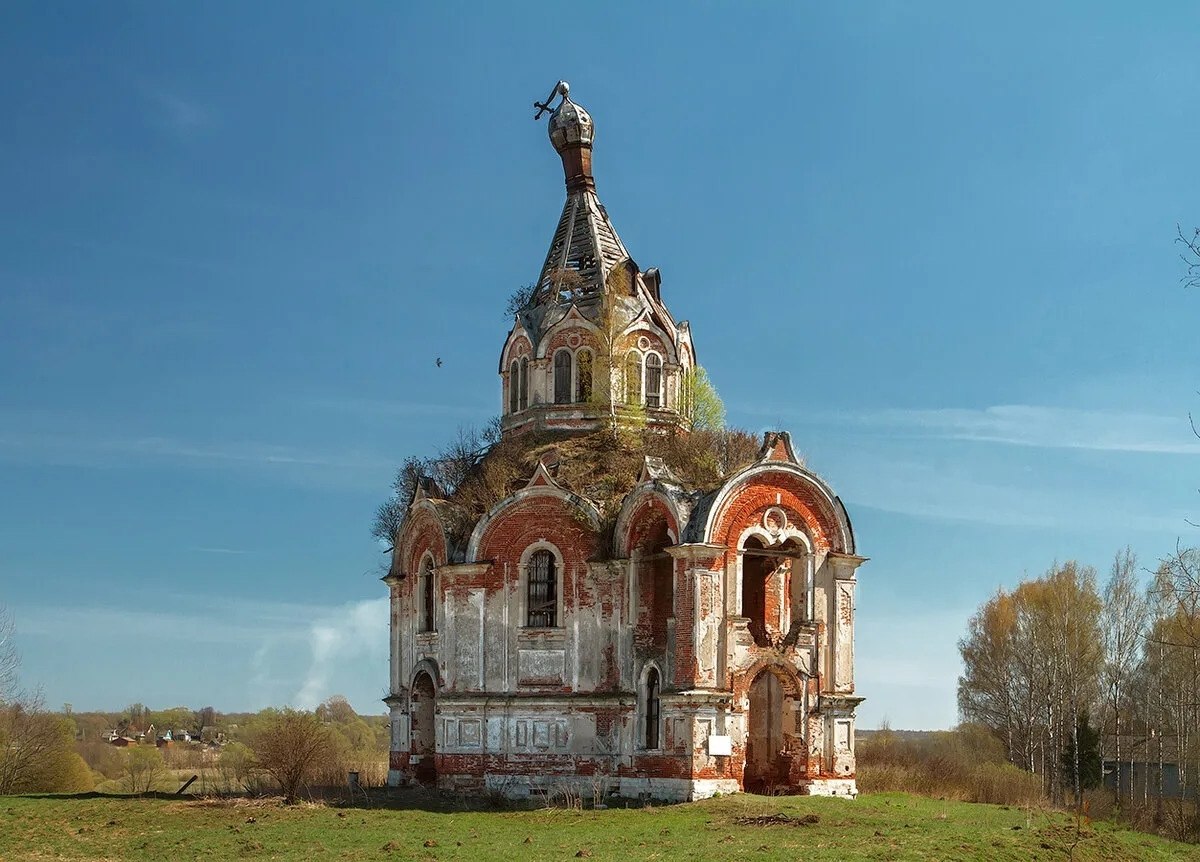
[523,399]
[425,588]
[542,598]
[633,379]
[562,377]
[514,386]
[583,371]
[653,380]
[652,708]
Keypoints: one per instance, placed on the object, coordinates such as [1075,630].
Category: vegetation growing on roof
[479,469]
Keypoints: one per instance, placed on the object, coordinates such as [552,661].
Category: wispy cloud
[233,551]
[1020,425]
[351,633]
[173,112]
[267,652]
[38,438]
[1045,427]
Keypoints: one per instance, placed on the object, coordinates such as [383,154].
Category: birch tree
[1123,626]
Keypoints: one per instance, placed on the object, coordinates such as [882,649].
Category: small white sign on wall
[720,746]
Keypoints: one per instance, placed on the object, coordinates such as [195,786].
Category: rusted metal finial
[562,87]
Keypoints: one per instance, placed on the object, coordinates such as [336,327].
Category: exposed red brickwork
[422,532]
[541,517]
[796,497]
[519,346]
[564,336]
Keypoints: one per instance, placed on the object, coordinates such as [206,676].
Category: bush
[37,752]
[143,768]
[291,746]
[967,764]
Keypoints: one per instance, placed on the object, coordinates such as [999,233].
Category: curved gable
[541,507]
[645,516]
[746,498]
[423,531]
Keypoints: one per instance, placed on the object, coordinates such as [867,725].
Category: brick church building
[681,642]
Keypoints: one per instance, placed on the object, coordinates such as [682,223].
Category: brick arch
[518,345]
[789,679]
[429,666]
[808,503]
[646,516]
[534,513]
[423,533]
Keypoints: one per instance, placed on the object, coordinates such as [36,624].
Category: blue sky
[932,240]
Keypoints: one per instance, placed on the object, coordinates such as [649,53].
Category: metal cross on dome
[561,88]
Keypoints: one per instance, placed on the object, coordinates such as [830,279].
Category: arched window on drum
[654,380]
[562,377]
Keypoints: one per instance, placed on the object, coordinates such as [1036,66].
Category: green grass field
[882,826]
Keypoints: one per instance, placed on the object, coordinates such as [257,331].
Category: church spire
[585,248]
[592,342]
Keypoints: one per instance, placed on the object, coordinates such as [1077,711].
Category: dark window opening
[653,380]
[514,381]
[562,377]
[653,707]
[542,597]
[427,597]
[756,570]
[523,401]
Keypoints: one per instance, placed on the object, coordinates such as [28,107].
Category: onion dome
[570,125]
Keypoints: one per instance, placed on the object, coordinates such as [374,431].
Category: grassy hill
[881,826]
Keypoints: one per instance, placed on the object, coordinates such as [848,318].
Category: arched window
[541,606]
[562,377]
[514,386]
[425,597]
[523,399]
[653,380]
[653,708]
[633,378]
[583,370]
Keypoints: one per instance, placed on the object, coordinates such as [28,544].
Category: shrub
[143,768]
[291,746]
[966,764]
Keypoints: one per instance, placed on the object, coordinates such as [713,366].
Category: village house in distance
[682,642]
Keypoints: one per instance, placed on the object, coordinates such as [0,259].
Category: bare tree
[10,659]
[1190,255]
[1122,627]
[292,747]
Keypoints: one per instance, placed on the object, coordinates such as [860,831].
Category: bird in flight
[439,362]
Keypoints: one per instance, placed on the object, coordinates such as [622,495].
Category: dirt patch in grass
[778,820]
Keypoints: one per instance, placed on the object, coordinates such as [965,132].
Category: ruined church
[680,642]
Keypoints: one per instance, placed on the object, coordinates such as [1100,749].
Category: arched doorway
[764,735]
[421,714]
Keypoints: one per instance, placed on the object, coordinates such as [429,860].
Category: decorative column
[397,697]
[837,701]
[699,609]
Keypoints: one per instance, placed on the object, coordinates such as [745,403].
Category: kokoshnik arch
[705,644]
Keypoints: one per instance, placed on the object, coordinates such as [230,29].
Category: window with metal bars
[652,708]
[426,597]
[542,595]
[653,380]
[562,377]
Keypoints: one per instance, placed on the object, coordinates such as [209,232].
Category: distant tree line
[1069,674]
